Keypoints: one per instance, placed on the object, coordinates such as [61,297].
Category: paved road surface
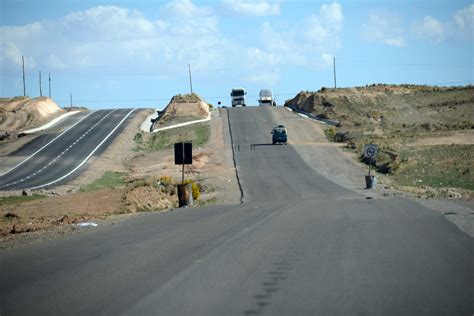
[57,162]
[298,245]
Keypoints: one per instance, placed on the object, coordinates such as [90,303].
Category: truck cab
[266,97]
[238,96]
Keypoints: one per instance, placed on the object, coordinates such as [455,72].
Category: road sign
[183,153]
[370,151]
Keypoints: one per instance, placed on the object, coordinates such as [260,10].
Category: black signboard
[183,153]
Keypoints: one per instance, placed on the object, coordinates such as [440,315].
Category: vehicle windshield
[237,93]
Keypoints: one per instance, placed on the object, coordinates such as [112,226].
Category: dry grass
[424,133]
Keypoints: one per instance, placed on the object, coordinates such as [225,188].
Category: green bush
[195,189]
[138,138]
[330,133]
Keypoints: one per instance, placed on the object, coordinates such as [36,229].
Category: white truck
[238,96]
[266,97]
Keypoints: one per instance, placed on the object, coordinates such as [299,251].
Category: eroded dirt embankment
[21,113]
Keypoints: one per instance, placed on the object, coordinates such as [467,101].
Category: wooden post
[24,87]
[190,78]
[182,177]
[49,84]
[41,91]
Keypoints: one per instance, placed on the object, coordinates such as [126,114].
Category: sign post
[370,151]
[183,155]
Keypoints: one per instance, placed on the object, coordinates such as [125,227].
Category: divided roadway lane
[64,157]
[297,245]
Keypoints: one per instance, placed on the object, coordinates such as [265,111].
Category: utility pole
[190,78]
[70,96]
[49,81]
[41,91]
[334,67]
[24,87]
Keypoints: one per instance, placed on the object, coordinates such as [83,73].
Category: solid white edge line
[28,158]
[208,118]
[50,124]
[44,167]
[87,158]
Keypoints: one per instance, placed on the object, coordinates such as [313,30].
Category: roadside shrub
[166,180]
[195,188]
[330,133]
[340,137]
[138,138]
[383,162]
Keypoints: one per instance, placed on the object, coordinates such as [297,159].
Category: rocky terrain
[425,134]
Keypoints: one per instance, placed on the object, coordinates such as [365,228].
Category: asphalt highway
[52,159]
[297,245]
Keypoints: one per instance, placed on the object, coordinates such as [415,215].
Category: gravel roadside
[329,160]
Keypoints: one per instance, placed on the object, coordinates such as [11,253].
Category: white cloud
[115,39]
[430,28]
[308,42]
[464,24]
[395,41]
[459,27]
[311,42]
[185,9]
[257,56]
[322,29]
[253,8]
[464,19]
[267,78]
[54,62]
[384,27]
[12,55]
[104,23]
[332,15]
[262,66]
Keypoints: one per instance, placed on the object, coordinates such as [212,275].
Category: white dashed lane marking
[62,153]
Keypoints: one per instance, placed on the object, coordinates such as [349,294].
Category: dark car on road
[279,135]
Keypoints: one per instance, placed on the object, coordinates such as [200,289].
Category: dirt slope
[394,107]
[425,134]
[18,114]
[183,108]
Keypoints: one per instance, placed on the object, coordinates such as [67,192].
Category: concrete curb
[50,124]
[146,125]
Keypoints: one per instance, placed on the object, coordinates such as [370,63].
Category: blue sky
[136,53]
